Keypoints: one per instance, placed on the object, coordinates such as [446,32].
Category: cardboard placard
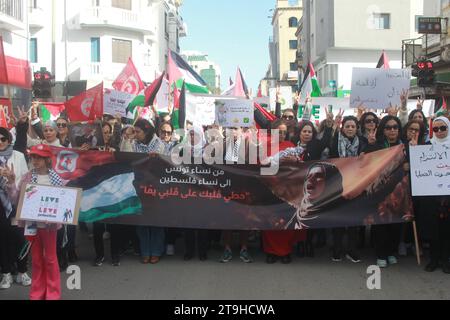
[39,203]
[235,113]
[430,170]
[116,102]
[378,88]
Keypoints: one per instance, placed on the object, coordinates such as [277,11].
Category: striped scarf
[55,179]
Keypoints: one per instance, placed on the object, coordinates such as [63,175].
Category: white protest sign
[430,170]
[116,102]
[49,204]
[235,113]
[201,109]
[162,98]
[378,88]
[286,97]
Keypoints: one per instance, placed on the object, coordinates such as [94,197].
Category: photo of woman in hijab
[323,186]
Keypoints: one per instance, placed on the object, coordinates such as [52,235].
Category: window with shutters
[122,4]
[121,50]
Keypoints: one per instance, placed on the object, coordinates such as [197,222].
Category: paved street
[307,278]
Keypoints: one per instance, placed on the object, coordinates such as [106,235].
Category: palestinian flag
[383,63]
[310,85]
[108,192]
[180,71]
[135,104]
[444,109]
[179,110]
[51,111]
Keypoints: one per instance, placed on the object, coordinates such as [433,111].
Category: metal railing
[12,8]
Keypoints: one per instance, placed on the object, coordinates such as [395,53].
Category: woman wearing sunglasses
[63,132]
[437,224]
[386,237]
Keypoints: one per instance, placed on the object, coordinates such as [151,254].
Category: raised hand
[339,118]
[330,117]
[404,99]
[372,137]
[420,103]
[278,94]
[8,173]
[23,116]
[415,140]
[393,111]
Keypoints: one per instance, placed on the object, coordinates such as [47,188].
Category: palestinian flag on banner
[180,71]
[108,192]
[310,85]
[383,63]
[50,111]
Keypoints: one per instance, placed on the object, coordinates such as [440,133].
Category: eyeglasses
[442,128]
[288,117]
[163,132]
[49,130]
[3,139]
[389,128]
[369,121]
[62,125]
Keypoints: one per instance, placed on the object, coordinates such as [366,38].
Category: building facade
[91,40]
[14,31]
[338,35]
[283,44]
[208,70]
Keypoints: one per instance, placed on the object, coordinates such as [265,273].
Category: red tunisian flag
[14,72]
[5,113]
[86,106]
[129,80]
[71,164]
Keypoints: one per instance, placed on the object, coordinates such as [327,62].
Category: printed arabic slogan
[343,192]
[430,170]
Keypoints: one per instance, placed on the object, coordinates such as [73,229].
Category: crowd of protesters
[25,156]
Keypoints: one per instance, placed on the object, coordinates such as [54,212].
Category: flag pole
[416,238]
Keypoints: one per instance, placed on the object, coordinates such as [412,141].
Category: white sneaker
[7,281]
[106,236]
[170,250]
[23,279]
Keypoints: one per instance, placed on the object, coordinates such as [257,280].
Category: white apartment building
[338,35]
[92,40]
[208,70]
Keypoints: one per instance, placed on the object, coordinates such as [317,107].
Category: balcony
[12,15]
[110,17]
[37,18]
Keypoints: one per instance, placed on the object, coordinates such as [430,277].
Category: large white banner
[235,113]
[430,170]
[116,102]
[378,88]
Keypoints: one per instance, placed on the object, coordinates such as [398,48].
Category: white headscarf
[446,140]
[198,148]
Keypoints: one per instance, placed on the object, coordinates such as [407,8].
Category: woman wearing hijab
[11,236]
[438,226]
[196,143]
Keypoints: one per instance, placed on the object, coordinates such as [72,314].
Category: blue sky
[233,33]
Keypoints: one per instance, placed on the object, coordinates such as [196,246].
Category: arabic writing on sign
[433,155]
[205,194]
[195,171]
[372,83]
